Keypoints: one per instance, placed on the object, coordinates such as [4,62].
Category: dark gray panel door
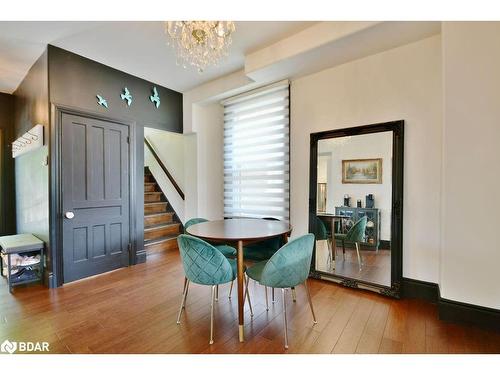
[95,196]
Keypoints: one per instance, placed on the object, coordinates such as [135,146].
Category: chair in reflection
[355,235]
[323,235]
[287,268]
[204,264]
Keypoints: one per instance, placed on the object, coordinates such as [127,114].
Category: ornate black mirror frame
[397,128]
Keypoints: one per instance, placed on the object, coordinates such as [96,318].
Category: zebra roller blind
[257,153]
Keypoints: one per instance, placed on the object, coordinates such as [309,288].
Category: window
[257,153]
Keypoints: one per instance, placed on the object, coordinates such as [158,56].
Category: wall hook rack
[29,141]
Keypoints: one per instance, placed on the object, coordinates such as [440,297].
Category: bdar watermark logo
[24,346]
[8,347]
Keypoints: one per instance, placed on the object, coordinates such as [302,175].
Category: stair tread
[160,239]
[154,214]
[162,225]
[154,203]
[158,225]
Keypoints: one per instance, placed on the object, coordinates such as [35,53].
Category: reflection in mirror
[353,213]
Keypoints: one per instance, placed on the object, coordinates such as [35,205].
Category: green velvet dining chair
[354,235]
[226,250]
[264,250]
[287,268]
[205,265]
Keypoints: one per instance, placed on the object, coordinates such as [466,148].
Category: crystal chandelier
[200,43]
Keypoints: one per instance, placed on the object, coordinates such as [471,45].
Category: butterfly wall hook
[155,98]
[126,96]
[101,101]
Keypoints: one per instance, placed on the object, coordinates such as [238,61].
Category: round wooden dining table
[240,232]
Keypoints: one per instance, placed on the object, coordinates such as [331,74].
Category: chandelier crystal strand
[200,43]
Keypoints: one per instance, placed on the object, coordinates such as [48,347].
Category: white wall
[209,122]
[190,176]
[170,149]
[402,83]
[32,204]
[470,258]
[369,146]
[323,168]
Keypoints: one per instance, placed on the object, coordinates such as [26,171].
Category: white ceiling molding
[313,37]
[328,44]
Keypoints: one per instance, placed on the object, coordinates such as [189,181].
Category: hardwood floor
[376,265]
[133,310]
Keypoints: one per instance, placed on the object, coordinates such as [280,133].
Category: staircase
[161,225]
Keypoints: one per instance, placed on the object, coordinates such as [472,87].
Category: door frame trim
[56,277]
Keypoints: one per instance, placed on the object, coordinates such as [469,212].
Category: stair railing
[164,168]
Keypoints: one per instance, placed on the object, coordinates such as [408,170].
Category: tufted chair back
[194,221]
[321,232]
[357,231]
[290,265]
[203,263]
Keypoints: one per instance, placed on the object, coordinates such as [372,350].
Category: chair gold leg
[212,303]
[294,295]
[272,296]
[186,284]
[267,302]
[285,322]
[231,289]
[216,292]
[183,301]
[310,302]
[330,255]
[359,256]
[247,295]
[187,290]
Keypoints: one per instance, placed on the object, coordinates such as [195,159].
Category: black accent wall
[7,191]
[75,81]
[61,80]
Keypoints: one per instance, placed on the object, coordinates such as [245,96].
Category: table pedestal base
[241,301]
[241,334]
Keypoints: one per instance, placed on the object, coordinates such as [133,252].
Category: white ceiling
[138,48]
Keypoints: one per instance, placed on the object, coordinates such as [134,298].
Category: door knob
[69,215]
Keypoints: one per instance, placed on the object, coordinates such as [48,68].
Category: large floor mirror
[356,194]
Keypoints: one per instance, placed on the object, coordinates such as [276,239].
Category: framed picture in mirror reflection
[362,171]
